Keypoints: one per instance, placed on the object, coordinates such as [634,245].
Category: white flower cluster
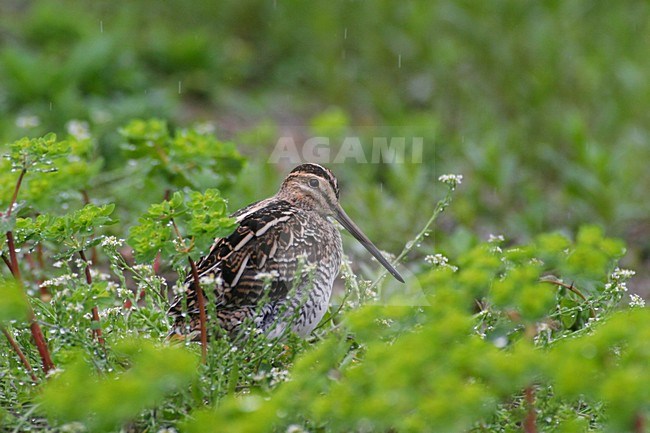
[495,238]
[112,241]
[385,322]
[278,375]
[81,264]
[436,259]
[619,278]
[370,292]
[207,280]
[453,180]
[439,260]
[98,275]
[593,320]
[27,121]
[622,274]
[636,301]
[111,312]
[267,276]
[59,281]
[495,241]
[179,288]
[78,129]
[143,267]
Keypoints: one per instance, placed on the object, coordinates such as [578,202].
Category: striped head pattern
[311,186]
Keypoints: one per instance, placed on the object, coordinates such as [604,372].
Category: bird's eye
[313,183]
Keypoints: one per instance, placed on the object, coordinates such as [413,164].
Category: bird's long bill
[350,226]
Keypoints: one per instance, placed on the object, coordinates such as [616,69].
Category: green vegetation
[127,141]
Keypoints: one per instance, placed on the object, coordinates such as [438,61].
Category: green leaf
[201,219]
[568,315]
[72,230]
[13,302]
[149,237]
[188,159]
[144,135]
[104,403]
[37,154]
[208,218]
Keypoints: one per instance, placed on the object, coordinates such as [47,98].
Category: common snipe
[279,265]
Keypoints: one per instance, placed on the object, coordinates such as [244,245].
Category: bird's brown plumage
[278,267]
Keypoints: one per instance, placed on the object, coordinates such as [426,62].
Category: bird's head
[313,187]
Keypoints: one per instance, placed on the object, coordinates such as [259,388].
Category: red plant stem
[199,296]
[14,197]
[571,288]
[15,270]
[19,352]
[8,263]
[95,312]
[37,332]
[39,256]
[531,415]
[41,345]
[202,318]
[156,264]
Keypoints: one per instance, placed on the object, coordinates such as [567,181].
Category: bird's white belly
[313,304]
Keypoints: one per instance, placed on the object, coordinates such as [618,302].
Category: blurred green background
[542,106]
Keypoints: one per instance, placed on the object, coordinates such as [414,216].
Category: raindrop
[101,26]
[399,61]
[179,87]
[345,33]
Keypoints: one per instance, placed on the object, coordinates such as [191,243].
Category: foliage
[89,318]
[541,106]
[442,364]
[14,304]
[78,395]
[73,232]
[203,215]
[188,158]
[489,339]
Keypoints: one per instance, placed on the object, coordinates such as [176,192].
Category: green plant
[499,336]
[79,317]
[442,366]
